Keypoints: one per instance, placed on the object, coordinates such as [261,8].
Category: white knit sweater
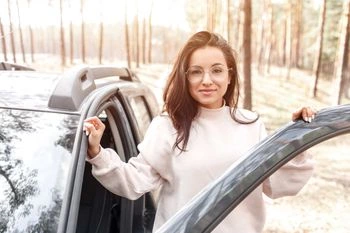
[216,141]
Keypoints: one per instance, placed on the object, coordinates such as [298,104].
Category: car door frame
[70,206]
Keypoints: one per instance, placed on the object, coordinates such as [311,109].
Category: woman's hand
[306,113]
[93,128]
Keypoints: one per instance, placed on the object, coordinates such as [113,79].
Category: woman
[200,133]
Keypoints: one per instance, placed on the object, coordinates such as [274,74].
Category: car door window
[140,110]
[323,205]
[35,157]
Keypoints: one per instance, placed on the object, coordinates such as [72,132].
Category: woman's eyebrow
[215,64]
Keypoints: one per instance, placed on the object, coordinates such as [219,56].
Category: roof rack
[12,66]
[79,82]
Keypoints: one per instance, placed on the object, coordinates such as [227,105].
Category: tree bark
[3,41]
[20,33]
[341,56]
[150,34]
[229,22]
[12,39]
[100,47]
[297,34]
[71,42]
[136,33]
[289,39]
[71,38]
[319,47]
[31,36]
[127,40]
[247,102]
[144,37]
[62,42]
[83,55]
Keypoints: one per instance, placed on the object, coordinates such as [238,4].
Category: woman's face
[208,77]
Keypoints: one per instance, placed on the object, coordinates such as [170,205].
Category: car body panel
[26,89]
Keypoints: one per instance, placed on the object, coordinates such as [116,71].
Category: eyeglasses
[217,73]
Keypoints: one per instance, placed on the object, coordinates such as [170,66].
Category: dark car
[45,183]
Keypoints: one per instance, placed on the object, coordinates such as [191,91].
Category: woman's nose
[206,78]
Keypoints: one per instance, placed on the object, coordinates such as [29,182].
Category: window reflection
[142,115]
[35,156]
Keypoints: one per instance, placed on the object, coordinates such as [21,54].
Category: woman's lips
[206,91]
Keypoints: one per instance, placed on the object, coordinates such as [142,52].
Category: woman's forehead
[207,56]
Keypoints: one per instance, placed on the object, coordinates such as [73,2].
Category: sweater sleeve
[290,178]
[140,174]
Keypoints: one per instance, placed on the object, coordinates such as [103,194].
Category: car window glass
[142,115]
[35,157]
[323,205]
[112,133]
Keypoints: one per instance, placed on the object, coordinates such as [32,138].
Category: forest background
[309,35]
[290,53]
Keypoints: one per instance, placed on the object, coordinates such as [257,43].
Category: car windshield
[35,158]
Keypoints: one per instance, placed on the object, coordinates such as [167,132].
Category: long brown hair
[178,102]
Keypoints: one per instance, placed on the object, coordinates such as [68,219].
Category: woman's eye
[196,72]
[216,70]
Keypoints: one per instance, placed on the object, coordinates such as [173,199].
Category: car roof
[26,89]
[58,92]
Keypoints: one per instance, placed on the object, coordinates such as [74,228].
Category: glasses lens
[195,74]
[218,71]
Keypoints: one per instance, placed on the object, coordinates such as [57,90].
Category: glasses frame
[227,69]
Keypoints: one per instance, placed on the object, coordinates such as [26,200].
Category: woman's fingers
[93,125]
[88,127]
[306,113]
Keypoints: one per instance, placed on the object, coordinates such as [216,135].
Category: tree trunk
[31,37]
[289,39]
[247,102]
[150,34]
[127,39]
[211,15]
[284,40]
[62,42]
[229,22]
[100,47]
[144,40]
[82,31]
[71,37]
[20,33]
[136,33]
[319,47]
[71,42]
[269,38]
[297,34]
[11,32]
[340,61]
[240,26]
[3,41]
[261,37]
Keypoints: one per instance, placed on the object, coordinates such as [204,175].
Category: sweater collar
[206,112]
